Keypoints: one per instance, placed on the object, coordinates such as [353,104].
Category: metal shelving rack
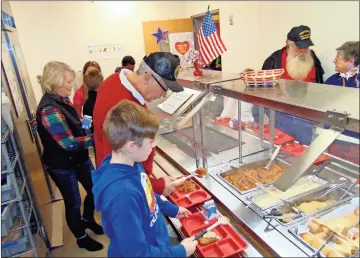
[25,223]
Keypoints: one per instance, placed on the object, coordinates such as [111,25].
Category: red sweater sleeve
[158,184]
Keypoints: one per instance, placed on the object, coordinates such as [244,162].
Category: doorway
[197,21]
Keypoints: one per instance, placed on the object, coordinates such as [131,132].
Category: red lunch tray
[187,200]
[297,149]
[195,222]
[225,121]
[230,244]
[280,137]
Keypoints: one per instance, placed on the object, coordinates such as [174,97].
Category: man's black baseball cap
[301,36]
[167,66]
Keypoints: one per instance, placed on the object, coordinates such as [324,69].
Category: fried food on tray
[287,219]
[344,249]
[330,253]
[208,238]
[322,235]
[247,179]
[201,172]
[311,240]
[187,187]
[314,227]
[357,211]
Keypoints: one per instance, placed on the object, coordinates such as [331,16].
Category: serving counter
[194,138]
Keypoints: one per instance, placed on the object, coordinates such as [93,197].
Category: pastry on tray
[316,243]
[187,187]
[201,172]
[287,219]
[209,238]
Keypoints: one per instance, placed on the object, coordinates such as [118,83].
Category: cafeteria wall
[260,28]
[62,30]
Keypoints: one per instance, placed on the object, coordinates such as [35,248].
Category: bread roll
[344,249]
[322,235]
[314,227]
[333,254]
[307,237]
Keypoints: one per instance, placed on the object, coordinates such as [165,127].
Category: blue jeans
[67,182]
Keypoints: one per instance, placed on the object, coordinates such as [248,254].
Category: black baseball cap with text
[167,66]
[301,36]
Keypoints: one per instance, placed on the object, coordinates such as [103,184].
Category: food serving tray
[261,192]
[231,242]
[186,200]
[252,165]
[337,211]
[334,195]
[279,137]
[297,149]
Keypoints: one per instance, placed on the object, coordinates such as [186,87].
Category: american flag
[210,43]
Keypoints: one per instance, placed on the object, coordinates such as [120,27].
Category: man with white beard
[301,64]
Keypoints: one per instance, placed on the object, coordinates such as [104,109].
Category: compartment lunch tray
[297,149]
[230,244]
[280,137]
[225,122]
[186,200]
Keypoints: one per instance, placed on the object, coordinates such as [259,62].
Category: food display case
[269,208]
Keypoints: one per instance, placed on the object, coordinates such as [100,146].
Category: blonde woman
[65,155]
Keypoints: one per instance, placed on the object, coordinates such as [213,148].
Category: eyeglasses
[159,83]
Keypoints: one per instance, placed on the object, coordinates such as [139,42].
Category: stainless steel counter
[309,101]
[271,235]
[243,215]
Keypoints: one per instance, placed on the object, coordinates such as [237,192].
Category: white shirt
[124,81]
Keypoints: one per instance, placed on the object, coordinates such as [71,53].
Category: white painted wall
[260,28]
[55,30]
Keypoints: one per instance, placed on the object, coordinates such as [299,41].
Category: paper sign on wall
[180,44]
[108,51]
[12,80]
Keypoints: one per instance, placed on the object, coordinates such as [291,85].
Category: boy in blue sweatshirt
[132,214]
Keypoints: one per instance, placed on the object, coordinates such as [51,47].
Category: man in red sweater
[156,75]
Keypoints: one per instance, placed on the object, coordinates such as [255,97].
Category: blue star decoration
[161,35]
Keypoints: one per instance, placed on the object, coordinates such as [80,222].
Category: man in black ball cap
[299,62]
[155,76]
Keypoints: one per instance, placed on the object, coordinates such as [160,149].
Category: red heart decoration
[182,47]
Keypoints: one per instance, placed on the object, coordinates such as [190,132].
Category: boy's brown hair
[128,121]
[93,79]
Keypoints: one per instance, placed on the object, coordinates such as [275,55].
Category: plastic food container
[189,199]
[16,244]
[6,188]
[297,149]
[280,137]
[230,243]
